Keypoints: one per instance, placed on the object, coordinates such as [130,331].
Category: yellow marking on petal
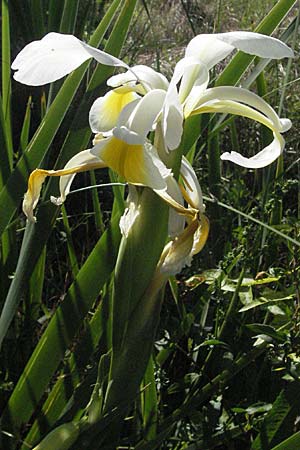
[37,178]
[180,209]
[186,196]
[113,104]
[201,235]
[128,160]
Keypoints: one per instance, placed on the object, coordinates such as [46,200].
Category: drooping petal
[212,48]
[232,107]
[262,159]
[79,163]
[145,75]
[201,235]
[176,221]
[137,164]
[55,56]
[105,111]
[237,94]
[192,186]
[131,212]
[172,120]
[179,252]
[189,72]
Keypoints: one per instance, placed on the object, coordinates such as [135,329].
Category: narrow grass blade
[96,205]
[55,11]
[71,250]
[290,443]
[64,387]
[6,83]
[253,219]
[34,296]
[69,16]
[61,330]
[149,402]
[37,14]
[24,138]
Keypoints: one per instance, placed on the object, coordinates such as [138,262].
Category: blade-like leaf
[279,421]
[61,330]
[37,236]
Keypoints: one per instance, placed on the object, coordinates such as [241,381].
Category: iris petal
[211,49]
[55,56]
[105,111]
[137,164]
[81,162]
[262,159]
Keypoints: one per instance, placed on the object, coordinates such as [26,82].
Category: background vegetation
[226,365]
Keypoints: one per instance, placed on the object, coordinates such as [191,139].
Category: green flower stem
[136,305]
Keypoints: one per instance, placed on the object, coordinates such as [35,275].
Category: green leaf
[279,421]
[36,237]
[68,381]
[291,443]
[149,402]
[13,191]
[263,329]
[62,329]
[69,15]
[6,84]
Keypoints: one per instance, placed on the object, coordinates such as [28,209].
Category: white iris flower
[141,101]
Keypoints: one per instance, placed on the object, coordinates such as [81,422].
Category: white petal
[55,56]
[137,164]
[130,137]
[257,44]
[192,185]
[262,159]
[239,109]
[237,94]
[146,112]
[195,76]
[83,159]
[211,49]
[105,111]
[131,212]
[173,125]
[176,221]
[147,76]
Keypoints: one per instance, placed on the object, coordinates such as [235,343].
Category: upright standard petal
[148,77]
[55,56]
[212,48]
[105,111]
